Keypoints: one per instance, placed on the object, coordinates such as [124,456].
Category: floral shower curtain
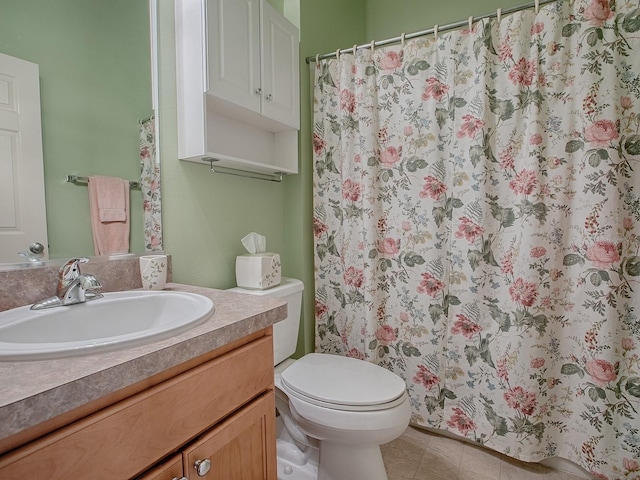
[477,228]
[150,186]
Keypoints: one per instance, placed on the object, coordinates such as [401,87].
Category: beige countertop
[32,392]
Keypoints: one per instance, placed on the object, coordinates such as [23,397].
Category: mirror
[94,62]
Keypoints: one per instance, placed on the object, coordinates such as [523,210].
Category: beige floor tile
[435,466]
[394,475]
[474,474]
[418,436]
[402,457]
[421,455]
[481,460]
[447,448]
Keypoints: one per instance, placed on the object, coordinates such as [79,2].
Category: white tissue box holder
[258,271]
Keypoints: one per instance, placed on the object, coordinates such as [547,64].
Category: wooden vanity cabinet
[222,410]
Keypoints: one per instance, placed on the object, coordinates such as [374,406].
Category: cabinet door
[241,448]
[233,41]
[169,470]
[280,67]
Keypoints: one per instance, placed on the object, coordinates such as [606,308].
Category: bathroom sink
[119,320]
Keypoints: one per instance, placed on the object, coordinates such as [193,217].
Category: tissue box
[258,271]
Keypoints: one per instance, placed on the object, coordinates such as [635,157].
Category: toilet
[334,412]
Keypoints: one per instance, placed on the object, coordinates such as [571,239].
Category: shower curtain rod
[440,29]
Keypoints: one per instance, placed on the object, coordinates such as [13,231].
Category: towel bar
[271,177]
[85,180]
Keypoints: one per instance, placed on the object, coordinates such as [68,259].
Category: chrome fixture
[271,177]
[31,258]
[85,180]
[73,287]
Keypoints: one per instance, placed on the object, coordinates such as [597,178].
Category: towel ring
[470,23]
[499,15]
[537,6]
[435,32]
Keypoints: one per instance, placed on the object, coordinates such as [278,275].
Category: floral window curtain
[477,228]
[150,186]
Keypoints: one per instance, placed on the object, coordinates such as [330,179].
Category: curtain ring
[470,23]
[355,47]
[402,40]
[499,14]
[435,32]
[373,45]
[338,54]
[317,58]
[537,6]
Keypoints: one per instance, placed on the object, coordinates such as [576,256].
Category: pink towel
[109,206]
[112,202]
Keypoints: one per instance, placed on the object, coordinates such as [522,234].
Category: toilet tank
[285,333]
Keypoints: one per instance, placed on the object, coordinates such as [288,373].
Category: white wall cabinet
[255,72]
[238,85]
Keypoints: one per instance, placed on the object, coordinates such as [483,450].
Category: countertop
[35,391]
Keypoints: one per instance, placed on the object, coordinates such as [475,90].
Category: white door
[22,203]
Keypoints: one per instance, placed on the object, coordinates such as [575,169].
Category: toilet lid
[336,380]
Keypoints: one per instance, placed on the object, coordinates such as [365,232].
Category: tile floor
[420,455]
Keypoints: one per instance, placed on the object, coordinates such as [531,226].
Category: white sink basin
[119,320]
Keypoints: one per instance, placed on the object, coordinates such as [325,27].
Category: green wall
[95,82]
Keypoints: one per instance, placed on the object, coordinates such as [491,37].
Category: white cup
[153,271]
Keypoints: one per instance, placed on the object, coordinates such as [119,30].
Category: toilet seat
[343,383]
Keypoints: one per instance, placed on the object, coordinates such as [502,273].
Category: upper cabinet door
[233,41]
[280,67]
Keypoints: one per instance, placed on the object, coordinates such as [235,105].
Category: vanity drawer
[124,439]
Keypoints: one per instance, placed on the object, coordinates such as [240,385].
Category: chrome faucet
[73,287]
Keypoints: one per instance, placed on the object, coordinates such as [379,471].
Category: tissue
[257,269]
[254,243]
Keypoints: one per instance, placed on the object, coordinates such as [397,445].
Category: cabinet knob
[258,91]
[269,97]
[202,467]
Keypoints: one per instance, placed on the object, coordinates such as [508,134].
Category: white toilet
[336,411]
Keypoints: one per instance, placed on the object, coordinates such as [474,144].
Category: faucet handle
[88,288]
[89,282]
[69,272]
[71,269]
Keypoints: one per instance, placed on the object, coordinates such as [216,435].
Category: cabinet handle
[258,91]
[202,467]
[181,478]
[269,97]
